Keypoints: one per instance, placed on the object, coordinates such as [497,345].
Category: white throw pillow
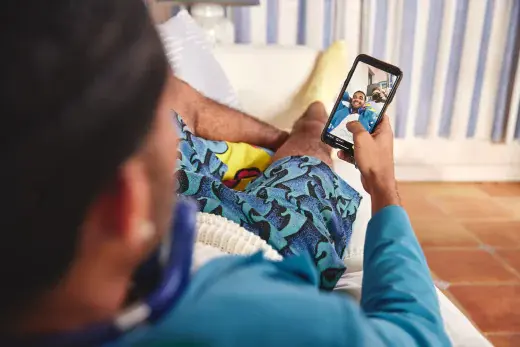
[190,54]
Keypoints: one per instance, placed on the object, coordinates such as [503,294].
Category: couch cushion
[266,77]
[190,54]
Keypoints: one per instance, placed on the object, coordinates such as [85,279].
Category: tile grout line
[453,299]
[506,264]
[456,204]
[502,333]
[462,309]
[467,219]
[469,248]
[436,203]
[511,283]
[479,241]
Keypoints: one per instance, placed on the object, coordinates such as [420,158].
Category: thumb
[356,128]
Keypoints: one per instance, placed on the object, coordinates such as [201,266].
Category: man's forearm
[219,122]
[214,121]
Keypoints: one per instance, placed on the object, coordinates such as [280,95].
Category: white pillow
[190,55]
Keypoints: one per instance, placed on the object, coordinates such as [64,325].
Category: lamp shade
[217,2]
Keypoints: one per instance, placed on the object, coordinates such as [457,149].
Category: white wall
[359,79]
[379,75]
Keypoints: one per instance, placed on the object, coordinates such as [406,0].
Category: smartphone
[368,90]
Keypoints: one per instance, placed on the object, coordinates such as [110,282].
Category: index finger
[384,120]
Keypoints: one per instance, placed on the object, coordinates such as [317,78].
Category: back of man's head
[80,81]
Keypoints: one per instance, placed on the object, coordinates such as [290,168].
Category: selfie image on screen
[363,100]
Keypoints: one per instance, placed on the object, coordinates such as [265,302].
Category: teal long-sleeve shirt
[249,301]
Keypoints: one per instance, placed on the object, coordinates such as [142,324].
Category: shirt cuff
[389,224]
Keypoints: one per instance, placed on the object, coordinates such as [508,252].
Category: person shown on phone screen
[357,109]
[379,95]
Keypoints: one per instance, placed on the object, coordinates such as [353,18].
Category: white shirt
[341,130]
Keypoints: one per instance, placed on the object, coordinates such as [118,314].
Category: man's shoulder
[241,275]
[233,299]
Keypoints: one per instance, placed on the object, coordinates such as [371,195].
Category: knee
[314,118]
[316,110]
[309,125]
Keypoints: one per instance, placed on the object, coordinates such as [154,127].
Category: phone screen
[363,99]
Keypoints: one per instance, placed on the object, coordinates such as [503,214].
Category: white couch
[266,78]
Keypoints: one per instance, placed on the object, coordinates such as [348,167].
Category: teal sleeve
[344,97]
[249,301]
[339,116]
[368,119]
[398,295]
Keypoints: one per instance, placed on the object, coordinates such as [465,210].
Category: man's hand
[374,156]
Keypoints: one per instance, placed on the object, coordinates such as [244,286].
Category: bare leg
[305,138]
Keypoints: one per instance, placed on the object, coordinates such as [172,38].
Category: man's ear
[122,211]
[135,201]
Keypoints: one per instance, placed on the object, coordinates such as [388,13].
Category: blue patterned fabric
[298,205]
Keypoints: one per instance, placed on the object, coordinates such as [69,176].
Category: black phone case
[379,64]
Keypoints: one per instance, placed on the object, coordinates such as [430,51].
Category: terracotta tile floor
[470,233]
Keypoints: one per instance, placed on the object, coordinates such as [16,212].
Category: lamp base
[212,19]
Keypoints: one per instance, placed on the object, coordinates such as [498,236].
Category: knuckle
[363,136]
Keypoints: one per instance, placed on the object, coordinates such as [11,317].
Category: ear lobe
[145,233]
[121,213]
[134,197]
